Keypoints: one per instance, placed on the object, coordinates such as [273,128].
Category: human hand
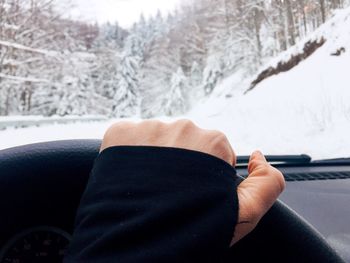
[182,134]
[256,194]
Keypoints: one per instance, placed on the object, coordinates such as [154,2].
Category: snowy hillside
[304,110]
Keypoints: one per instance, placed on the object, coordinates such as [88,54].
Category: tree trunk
[302,9]
[323,10]
[257,27]
[291,26]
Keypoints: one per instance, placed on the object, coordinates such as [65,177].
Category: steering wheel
[42,184]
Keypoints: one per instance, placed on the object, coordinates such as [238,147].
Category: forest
[162,65]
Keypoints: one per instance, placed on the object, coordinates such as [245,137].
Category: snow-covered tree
[176,101]
[211,75]
[75,86]
[160,61]
[111,36]
[196,74]
[192,43]
[125,100]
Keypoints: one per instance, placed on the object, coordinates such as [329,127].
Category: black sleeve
[150,204]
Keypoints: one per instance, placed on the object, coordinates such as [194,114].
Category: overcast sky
[126,12]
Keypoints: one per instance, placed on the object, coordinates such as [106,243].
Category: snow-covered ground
[15,137]
[28,121]
[305,110]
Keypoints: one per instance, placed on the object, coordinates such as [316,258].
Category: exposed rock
[338,52]
[309,48]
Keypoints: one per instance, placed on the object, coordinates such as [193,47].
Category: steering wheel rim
[58,171]
[287,237]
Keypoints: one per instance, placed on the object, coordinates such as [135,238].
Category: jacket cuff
[180,200]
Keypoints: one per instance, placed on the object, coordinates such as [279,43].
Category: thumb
[257,194]
[264,183]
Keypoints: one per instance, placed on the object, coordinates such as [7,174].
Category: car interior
[41,186]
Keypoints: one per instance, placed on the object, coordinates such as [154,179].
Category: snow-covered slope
[304,110]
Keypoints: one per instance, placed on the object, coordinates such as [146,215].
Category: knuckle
[221,146]
[222,138]
[228,156]
[253,163]
[185,127]
[217,137]
[185,123]
[264,169]
[268,170]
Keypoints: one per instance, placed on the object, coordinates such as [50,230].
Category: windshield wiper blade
[336,161]
[279,159]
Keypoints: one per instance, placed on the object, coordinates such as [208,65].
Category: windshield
[273,75]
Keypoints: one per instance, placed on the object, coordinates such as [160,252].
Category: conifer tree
[176,101]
